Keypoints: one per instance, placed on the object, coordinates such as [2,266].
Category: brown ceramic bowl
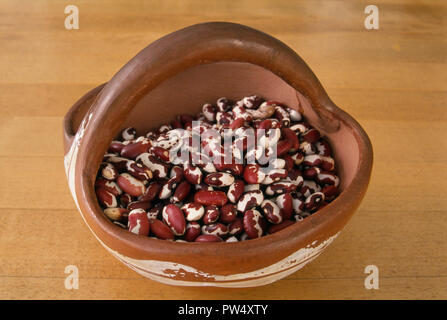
[177,74]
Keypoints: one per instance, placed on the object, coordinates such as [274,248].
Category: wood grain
[392,80]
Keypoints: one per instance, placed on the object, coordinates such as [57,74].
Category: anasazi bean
[164,184]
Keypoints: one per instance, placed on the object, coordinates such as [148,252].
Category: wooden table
[392,80]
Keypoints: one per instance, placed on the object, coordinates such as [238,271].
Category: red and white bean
[219,192]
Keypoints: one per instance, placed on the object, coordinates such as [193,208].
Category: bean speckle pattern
[238,170]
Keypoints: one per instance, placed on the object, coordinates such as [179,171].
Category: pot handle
[73,118]
[195,45]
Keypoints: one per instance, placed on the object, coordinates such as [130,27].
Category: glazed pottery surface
[177,74]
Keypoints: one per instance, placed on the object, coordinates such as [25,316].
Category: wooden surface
[392,80]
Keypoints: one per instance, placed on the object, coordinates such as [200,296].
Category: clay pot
[177,74]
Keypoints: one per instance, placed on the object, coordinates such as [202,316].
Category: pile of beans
[146,185]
